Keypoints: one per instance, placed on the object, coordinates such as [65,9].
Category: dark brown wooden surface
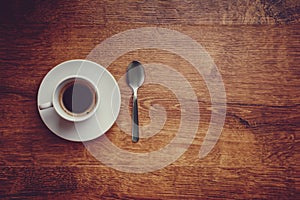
[256,46]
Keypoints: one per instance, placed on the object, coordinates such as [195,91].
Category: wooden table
[255,46]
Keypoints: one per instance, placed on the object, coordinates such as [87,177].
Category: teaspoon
[135,77]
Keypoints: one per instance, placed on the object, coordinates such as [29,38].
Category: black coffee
[78,97]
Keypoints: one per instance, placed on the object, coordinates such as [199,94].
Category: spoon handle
[135,118]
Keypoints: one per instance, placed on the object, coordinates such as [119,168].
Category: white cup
[75,99]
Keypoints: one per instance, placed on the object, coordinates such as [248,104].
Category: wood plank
[151,12]
[93,182]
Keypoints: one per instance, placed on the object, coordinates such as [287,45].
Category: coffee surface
[78,98]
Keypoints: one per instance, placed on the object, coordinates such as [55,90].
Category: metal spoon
[135,78]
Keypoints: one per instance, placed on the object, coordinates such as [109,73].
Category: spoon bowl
[135,75]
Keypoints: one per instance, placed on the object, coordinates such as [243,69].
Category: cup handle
[45,105]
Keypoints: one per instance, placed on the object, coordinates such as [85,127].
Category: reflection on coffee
[77,97]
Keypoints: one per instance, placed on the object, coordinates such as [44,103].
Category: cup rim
[61,112]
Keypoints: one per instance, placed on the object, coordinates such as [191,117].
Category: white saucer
[104,117]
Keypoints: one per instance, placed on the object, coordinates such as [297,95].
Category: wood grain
[256,47]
